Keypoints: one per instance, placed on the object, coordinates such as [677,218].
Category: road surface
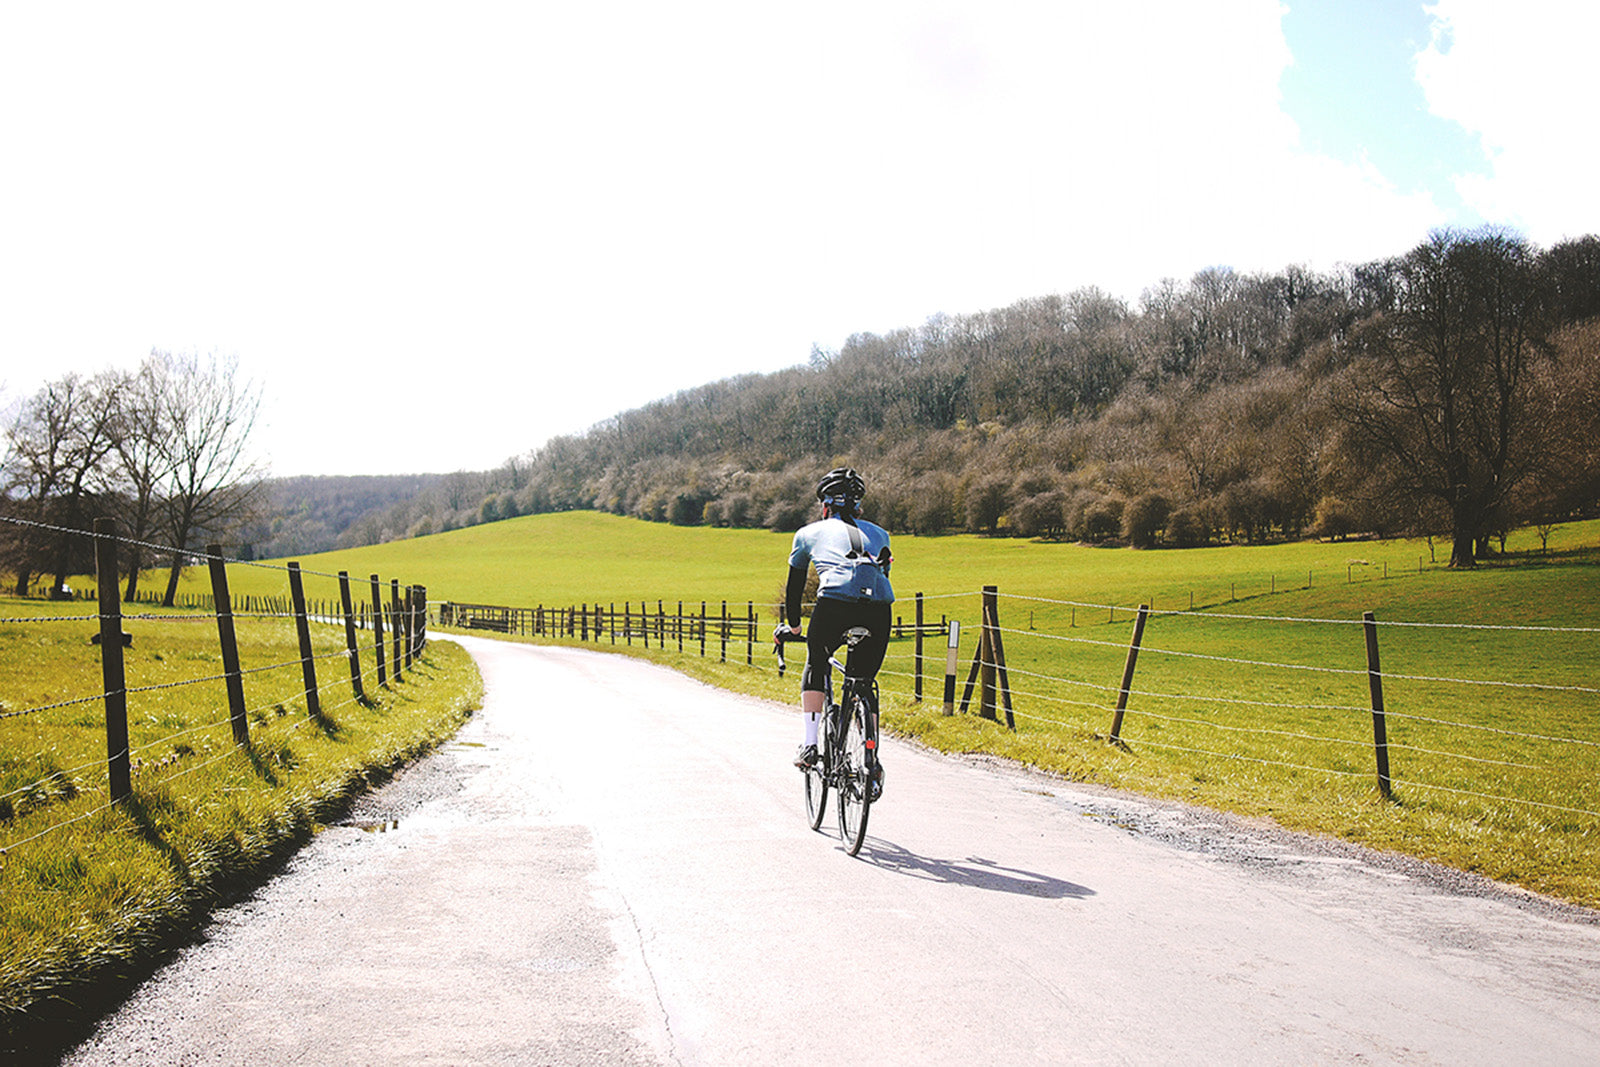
[609,865]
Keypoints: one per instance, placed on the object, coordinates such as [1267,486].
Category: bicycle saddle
[855,635]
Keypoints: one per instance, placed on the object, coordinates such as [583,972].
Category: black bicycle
[847,750]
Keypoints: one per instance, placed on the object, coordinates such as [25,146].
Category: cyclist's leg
[866,659]
[827,626]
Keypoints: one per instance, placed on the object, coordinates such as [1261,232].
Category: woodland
[1450,392]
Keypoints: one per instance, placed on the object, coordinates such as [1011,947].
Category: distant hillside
[303,515]
[1453,391]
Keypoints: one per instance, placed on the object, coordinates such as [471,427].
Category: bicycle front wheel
[855,799]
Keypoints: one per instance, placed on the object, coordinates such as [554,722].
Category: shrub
[1186,529]
[1102,519]
[788,514]
[1334,519]
[1144,518]
[686,509]
[987,501]
[1040,515]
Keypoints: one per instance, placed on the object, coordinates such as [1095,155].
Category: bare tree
[1443,398]
[144,457]
[213,482]
[57,444]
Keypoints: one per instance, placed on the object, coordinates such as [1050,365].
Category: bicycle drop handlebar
[780,637]
[784,635]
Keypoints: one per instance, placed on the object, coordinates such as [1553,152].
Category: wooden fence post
[397,625]
[986,676]
[998,645]
[410,602]
[723,635]
[118,764]
[1380,728]
[1127,673]
[917,655]
[230,646]
[422,618]
[377,628]
[350,636]
[750,633]
[308,659]
[952,647]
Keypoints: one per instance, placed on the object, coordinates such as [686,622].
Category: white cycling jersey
[845,571]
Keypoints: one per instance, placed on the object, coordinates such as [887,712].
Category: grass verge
[93,894]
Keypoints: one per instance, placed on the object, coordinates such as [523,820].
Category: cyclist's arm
[792,595]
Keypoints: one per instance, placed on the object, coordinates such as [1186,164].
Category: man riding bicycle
[852,559]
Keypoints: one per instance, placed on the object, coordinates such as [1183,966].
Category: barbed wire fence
[395,620]
[1465,736]
[1244,709]
[1072,671]
[1477,752]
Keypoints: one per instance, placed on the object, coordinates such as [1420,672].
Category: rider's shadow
[972,871]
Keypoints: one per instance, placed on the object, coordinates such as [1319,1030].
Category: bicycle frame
[833,712]
[854,777]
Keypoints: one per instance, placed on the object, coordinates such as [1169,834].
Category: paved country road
[609,865]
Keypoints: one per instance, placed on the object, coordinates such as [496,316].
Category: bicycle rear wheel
[816,795]
[855,800]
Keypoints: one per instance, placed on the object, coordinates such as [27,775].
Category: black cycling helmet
[841,487]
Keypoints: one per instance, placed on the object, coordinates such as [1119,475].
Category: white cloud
[1520,77]
[511,220]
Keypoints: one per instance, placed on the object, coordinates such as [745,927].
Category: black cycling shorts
[829,621]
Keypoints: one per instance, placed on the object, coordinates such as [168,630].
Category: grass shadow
[143,810]
[328,726]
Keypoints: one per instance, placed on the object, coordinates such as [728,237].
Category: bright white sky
[478,225]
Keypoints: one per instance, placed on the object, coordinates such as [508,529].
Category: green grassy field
[89,891]
[1493,732]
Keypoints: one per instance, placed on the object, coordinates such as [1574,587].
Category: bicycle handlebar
[781,636]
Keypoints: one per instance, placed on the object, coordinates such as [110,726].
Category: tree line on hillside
[306,514]
[1452,391]
[315,514]
[163,449]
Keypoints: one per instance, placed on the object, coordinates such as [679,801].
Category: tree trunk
[172,581]
[133,577]
[1461,548]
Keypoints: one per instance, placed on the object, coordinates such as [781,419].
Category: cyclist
[852,559]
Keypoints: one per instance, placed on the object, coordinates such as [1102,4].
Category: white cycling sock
[812,719]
